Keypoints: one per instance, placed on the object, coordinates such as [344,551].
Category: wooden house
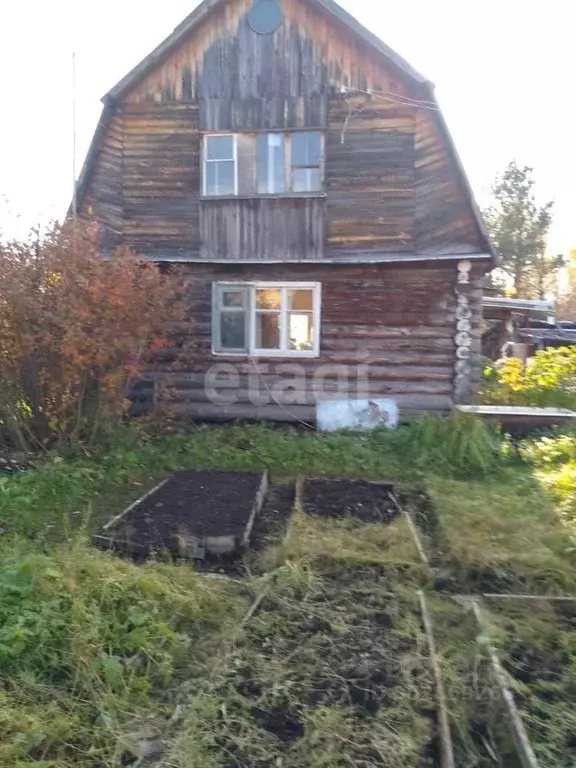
[302,172]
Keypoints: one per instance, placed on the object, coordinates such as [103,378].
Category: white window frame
[206,160]
[251,312]
[291,167]
[288,166]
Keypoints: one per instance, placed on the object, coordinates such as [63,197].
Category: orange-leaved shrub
[74,329]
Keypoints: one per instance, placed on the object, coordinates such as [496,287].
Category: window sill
[255,196]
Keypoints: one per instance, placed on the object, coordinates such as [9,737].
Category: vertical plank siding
[285,229]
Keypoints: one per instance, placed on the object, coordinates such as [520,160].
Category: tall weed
[460,445]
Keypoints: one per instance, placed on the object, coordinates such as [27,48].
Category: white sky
[504,72]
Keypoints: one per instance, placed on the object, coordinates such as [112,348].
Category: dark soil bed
[270,526]
[191,509]
[369,502]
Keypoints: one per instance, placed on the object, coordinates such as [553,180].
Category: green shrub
[90,643]
[554,460]
[546,380]
[550,450]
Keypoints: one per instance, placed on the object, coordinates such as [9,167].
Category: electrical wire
[388,96]
[278,403]
[407,98]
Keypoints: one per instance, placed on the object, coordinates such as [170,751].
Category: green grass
[97,486]
[503,533]
[92,648]
[101,658]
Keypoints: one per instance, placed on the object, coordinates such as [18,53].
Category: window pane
[306,148]
[301,299]
[233,298]
[271,163]
[219,147]
[267,331]
[232,330]
[301,331]
[268,298]
[306,180]
[220,178]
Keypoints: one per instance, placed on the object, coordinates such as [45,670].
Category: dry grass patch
[505,533]
[348,541]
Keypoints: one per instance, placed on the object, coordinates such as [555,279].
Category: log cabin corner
[302,174]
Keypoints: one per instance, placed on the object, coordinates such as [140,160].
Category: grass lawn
[106,663]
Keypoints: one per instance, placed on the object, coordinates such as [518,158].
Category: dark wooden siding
[104,199]
[444,221]
[286,229]
[369,177]
[252,114]
[399,322]
[226,60]
[391,183]
[161,179]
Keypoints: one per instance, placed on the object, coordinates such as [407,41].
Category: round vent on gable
[265,16]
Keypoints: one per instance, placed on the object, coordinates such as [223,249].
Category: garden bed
[369,502]
[335,670]
[537,642]
[270,525]
[191,514]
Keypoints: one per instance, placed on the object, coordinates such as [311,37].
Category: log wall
[385,332]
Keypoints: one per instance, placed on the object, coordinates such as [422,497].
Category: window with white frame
[306,161]
[220,165]
[267,163]
[274,319]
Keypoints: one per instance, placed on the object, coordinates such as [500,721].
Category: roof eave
[485,237]
[91,155]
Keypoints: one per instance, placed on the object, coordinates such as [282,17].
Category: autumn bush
[74,329]
[546,380]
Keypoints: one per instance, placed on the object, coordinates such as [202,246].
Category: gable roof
[199,14]
[197,17]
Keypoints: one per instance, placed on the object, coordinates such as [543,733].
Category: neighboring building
[303,174]
[539,335]
[506,323]
[521,327]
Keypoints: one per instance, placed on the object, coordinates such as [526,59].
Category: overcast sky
[504,72]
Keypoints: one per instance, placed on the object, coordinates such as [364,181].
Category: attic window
[265,17]
[264,163]
[220,168]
